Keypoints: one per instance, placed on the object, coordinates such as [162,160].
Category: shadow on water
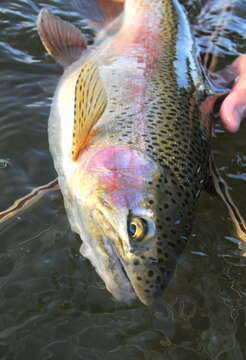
[52,303]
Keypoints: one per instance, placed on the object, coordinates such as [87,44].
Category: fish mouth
[125,291]
[113,271]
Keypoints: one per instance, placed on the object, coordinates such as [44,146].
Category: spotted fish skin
[147,156]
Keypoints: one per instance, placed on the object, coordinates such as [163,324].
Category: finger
[233,110]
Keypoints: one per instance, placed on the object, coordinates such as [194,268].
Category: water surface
[52,303]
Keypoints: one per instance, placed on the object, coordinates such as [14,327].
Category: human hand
[233,108]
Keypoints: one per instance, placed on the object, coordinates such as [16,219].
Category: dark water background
[52,303]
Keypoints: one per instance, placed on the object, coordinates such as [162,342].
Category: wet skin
[233,108]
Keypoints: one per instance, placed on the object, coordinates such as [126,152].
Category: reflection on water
[52,303]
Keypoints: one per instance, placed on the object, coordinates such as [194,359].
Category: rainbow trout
[129,141]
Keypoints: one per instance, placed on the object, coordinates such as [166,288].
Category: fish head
[130,228]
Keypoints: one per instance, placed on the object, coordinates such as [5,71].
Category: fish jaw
[103,257]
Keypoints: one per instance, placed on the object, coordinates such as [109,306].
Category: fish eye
[137,228]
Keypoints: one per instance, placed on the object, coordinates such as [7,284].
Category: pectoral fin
[63,41]
[90,103]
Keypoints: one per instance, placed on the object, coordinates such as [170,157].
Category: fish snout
[148,276]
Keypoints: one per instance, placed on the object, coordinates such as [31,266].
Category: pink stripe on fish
[122,172]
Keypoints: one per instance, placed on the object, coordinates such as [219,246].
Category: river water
[52,303]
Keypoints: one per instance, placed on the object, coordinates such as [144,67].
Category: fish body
[131,147]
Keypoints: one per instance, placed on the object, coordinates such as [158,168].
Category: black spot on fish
[150,273]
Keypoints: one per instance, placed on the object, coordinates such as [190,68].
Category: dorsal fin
[63,41]
[89,104]
[100,12]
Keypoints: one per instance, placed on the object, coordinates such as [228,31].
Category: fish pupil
[132,229]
